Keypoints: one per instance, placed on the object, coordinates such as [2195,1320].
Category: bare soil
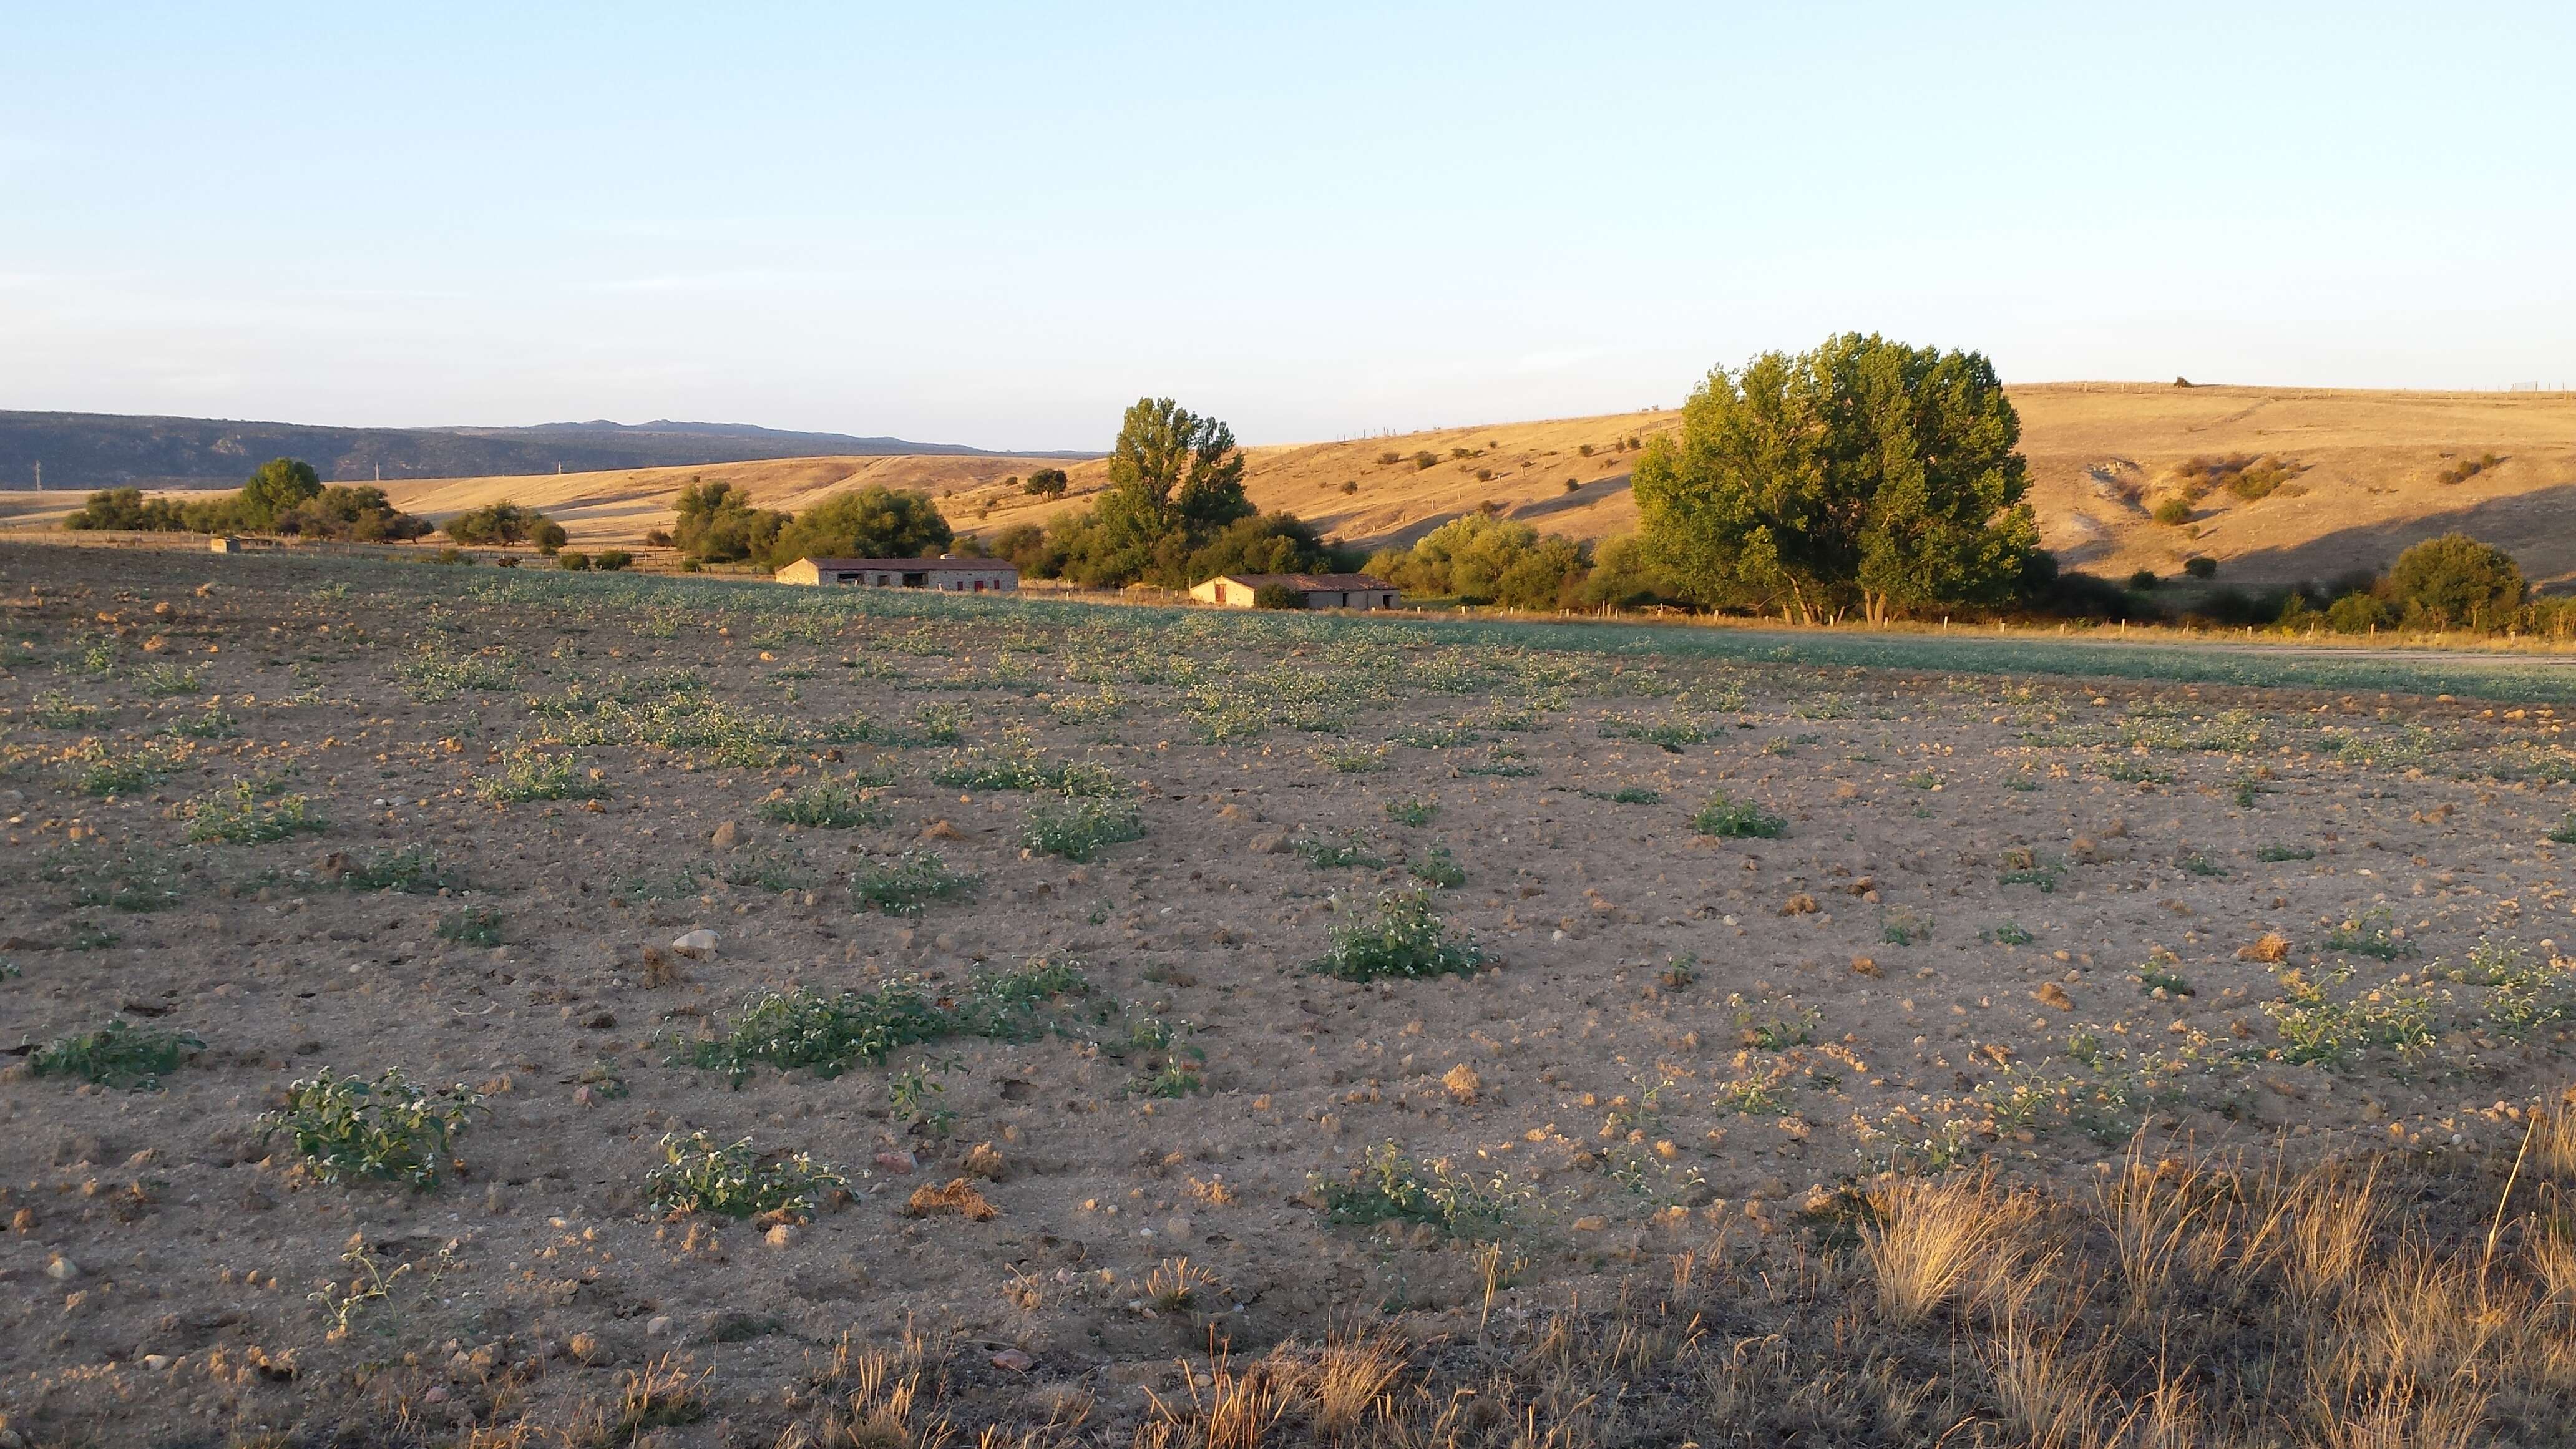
[2011,924]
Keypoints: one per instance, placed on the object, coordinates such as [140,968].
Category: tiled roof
[910,565]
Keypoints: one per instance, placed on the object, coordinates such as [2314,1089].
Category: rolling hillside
[107,450]
[2365,477]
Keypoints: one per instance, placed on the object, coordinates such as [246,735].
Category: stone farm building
[1319,591]
[955,575]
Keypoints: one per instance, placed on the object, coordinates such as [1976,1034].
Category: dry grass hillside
[2354,477]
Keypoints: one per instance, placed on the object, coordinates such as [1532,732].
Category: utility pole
[40,475]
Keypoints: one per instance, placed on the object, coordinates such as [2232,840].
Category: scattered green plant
[529,775]
[2372,933]
[1737,819]
[1437,867]
[699,1175]
[1390,1185]
[1077,828]
[349,1129]
[902,886]
[119,1054]
[826,805]
[1344,854]
[472,926]
[239,816]
[1401,938]
[1412,812]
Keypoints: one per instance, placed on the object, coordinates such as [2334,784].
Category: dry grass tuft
[1938,1238]
[2273,946]
[960,1196]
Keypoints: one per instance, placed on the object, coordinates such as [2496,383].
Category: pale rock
[700,942]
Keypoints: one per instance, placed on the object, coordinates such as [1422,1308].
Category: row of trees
[1481,558]
[285,496]
[719,523]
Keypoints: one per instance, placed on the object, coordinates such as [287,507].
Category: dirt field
[1731,956]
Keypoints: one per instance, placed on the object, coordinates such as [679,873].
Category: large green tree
[1862,476]
[1175,479]
[2455,581]
[716,523]
[277,489]
[873,522]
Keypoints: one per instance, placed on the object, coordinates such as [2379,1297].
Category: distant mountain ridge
[112,450]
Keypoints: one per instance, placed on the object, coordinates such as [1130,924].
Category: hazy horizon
[997,227]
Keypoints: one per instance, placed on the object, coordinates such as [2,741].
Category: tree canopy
[502,522]
[1047,483]
[279,487]
[2456,581]
[1175,478]
[718,524]
[874,522]
[1864,475]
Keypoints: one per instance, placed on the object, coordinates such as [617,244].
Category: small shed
[1318,591]
[223,543]
[951,575]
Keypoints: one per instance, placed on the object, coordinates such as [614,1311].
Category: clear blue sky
[999,224]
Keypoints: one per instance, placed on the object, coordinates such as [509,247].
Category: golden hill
[2365,477]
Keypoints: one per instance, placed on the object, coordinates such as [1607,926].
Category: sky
[1000,224]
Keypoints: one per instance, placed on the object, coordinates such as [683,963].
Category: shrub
[698,1176]
[2358,614]
[1425,459]
[2200,566]
[1277,596]
[2144,581]
[1077,828]
[388,1130]
[2468,468]
[573,560]
[902,886]
[1737,819]
[1389,458]
[1350,486]
[1402,938]
[1573,485]
[2455,581]
[612,560]
[2173,512]
[119,1054]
